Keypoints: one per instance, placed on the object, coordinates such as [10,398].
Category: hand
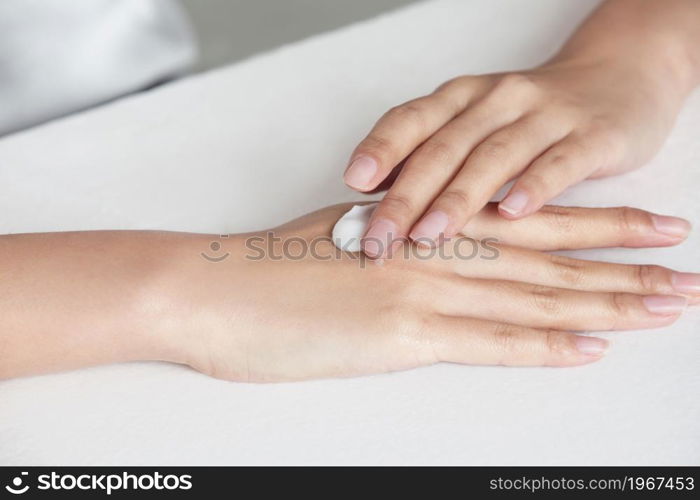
[321,313]
[550,128]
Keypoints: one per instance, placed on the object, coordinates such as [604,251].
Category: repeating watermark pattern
[17,486]
[272,246]
[215,248]
[99,483]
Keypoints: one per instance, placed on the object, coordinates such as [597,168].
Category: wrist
[663,81]
[199,294]
[663,59]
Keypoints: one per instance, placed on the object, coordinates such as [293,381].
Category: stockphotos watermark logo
[99,483]
[18,484]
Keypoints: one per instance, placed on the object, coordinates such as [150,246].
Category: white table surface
[259,142]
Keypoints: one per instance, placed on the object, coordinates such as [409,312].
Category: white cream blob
[348,231]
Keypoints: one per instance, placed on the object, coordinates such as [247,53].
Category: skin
[602,106]
[78,299]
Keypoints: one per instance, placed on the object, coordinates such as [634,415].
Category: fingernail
[379,237]
[360,172]
[686,282]
[514,203]
[591,345]
[665,304]
[430,228]
[671,226]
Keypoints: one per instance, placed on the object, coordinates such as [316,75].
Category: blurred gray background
[59,57]
[229,30]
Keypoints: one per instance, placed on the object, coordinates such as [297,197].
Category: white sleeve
[58,56]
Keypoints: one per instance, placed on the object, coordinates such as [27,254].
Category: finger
[573,228]
[530,266]
[404,128]
[431,167]
[547,307]
[489,166]
[564,164]
[479,342]
[388,181]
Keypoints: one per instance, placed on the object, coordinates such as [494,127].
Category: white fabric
[255,144]
[59,56]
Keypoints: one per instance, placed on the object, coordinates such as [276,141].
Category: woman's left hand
[551,127]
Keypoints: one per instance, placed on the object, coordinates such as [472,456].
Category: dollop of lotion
[348,231]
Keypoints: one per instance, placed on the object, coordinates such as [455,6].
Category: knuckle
[577,145]
[559,219]
[505,341]
[377,144]
[631,220]
[537,184]
[613,141]
[425,345]
[453,94]
[405,312]
[557,342]
[620,308]
[452,84]
[435,151]
[546,300]
[569,271]
[606,144]
[516,84]
[493,149]
[414,333]
[413,291]
[457,199]
[398,317]
[559,159]
[650,278]
[410,111]
[395,204]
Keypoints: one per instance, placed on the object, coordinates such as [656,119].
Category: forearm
[69,300]
[663,36]
[288,305]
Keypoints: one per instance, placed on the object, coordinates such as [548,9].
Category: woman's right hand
[331,314]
